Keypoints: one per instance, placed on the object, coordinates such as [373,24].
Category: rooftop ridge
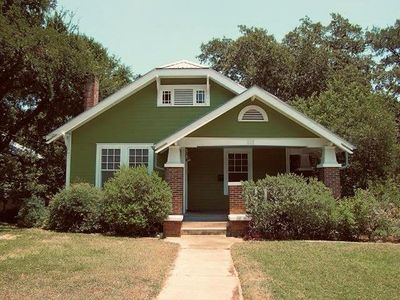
[183,64]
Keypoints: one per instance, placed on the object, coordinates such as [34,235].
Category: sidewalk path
[202,270]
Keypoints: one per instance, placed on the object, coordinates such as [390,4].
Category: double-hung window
[138,157]
[110,157]
[238,165]
[110,162]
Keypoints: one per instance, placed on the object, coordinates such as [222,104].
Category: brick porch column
[236,202]
[238,224]
[329,171]
[174,176]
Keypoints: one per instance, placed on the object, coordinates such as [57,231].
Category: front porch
[249,136]
[205,180]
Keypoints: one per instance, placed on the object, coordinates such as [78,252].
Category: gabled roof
[269,100]
[166,71]
[183,64]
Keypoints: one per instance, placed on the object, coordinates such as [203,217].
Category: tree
[255,58]
[386,44]
[319,52]
[301,65]
[349,108]
[44,65]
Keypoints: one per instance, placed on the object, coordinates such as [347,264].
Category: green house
[203,132]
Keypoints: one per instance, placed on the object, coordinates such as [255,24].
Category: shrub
[135,203]
[387,191]
[356,215]
[374,213]
[77,208]
[289,206]
[387,213]
[33,213]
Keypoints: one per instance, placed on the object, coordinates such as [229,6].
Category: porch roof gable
[270,100]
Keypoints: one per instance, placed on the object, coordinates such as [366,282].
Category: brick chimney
[91,96]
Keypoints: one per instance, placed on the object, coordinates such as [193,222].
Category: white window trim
[249,152]
[172,87]
[255,107]
[67,140]
[124,160]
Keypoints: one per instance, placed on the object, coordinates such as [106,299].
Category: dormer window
[166,97]
[252,113]
[183,95]
[200,96]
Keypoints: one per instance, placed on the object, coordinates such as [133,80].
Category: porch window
[110,158]
[238,167]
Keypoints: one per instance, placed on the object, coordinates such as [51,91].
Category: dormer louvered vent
[252,113]
[183,97]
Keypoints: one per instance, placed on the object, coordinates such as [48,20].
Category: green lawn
[39,264]
[318,270]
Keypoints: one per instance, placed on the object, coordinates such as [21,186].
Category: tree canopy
[44,65]
[300,65]
[386,44]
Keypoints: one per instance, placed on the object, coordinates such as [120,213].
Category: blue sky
[149,33]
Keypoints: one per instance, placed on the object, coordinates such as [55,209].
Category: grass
[318,270]
[39,264]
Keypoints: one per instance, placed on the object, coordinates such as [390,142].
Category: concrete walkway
[202,270]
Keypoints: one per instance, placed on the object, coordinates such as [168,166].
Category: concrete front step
[203,228]
[203,231]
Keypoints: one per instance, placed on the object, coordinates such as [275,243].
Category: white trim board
[67,140]
[269,100]
[137,85]
[193,142]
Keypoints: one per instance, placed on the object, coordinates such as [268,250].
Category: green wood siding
[227,125]
[137,119]
[269,161]
[205,191]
